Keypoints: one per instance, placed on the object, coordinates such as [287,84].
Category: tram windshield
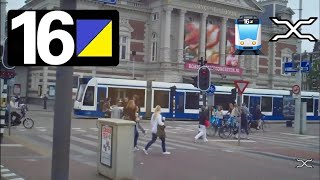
[80,92]
[248,31]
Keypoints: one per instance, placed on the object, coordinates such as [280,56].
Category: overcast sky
[310,9]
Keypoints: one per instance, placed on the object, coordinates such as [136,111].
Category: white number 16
[44,37]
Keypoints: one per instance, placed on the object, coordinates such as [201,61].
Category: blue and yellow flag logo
[94,38]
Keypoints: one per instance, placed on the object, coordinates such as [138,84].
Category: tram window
[80,92]
[266,104]
[246,100]
[89,96]
[222,100]
[309,104]
[161,98]
[117,94]
[192,100]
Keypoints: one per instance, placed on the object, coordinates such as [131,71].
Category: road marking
[81,130]
[95,129]
[22,129]
[84,141]
[4,170]
[75,128]
[40,127]
[11,145]
[229,140]
[91,136]
[42,130]
[8,175]
[308,137]
[301,135]
[177,145]
[72,146]
[17,179]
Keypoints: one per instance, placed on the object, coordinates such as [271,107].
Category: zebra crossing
[84,141]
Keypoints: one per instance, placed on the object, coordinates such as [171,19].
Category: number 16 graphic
[52,38]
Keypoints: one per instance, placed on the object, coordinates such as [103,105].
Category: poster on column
[231,60]
[213,40]
[106,145]
[191,39]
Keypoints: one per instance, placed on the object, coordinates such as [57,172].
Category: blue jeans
[136,136]
[154,138]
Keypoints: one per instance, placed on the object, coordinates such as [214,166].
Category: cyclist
[258,116]
[14,108]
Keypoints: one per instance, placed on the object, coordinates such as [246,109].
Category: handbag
[207,123]
[160,131]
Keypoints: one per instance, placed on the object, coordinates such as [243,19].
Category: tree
[313,77]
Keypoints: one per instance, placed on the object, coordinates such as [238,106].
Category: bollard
[115,158]
[45,98]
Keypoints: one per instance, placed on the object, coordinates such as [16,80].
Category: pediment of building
[125,26]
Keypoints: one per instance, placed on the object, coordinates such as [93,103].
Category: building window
[154,47]
[124,47]
[155,16]
[284,60]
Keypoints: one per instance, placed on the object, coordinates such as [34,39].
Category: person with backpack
[158,130]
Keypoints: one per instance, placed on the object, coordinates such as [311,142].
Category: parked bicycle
[254,124]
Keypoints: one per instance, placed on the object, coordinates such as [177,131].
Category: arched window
[154,47]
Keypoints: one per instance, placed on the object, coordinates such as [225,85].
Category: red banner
[216,69]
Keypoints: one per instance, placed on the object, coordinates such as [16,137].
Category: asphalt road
[266,155]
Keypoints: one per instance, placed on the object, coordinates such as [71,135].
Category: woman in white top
[156,119]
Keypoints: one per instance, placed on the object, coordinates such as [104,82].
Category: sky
[310,8]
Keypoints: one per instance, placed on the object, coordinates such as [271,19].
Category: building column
[181,35]
[45,81]
[167,34]
[203,29]
[223,39]
[3,11]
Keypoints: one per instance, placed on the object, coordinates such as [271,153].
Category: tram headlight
[253,43]
[241,42]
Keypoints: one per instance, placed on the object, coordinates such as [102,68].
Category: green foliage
[313,77]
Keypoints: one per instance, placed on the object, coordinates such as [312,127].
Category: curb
[274,155]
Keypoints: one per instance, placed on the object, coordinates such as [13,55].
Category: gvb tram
[248,33]
[92,92]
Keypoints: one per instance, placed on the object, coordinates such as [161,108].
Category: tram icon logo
[293,28]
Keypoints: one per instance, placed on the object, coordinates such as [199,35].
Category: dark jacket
[257,114]
[203,116]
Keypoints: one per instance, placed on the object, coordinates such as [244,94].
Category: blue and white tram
[91,93]
[248,33]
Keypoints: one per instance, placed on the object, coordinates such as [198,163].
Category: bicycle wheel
[28,123]
[224,132]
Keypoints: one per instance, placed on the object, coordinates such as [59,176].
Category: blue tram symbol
[248,35]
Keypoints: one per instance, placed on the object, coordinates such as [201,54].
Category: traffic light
[204,78]
[195,81]
[173,90]
[233,94]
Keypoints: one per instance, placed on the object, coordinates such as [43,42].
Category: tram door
[102,94]
[179,108]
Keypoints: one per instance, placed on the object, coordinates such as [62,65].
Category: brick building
[170,35]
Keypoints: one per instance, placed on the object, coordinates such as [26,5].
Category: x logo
[293,29]
[304,163]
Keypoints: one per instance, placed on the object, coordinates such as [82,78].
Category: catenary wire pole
[62,114]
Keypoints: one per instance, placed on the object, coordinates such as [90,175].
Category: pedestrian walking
[158,130]
[258,116]
[244,122]
[138,117]
[203,117]
[131,110]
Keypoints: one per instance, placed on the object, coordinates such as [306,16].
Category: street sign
[296,89]
[289,67]
[241,85]
[305,66]
[211,89]
[108,1]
